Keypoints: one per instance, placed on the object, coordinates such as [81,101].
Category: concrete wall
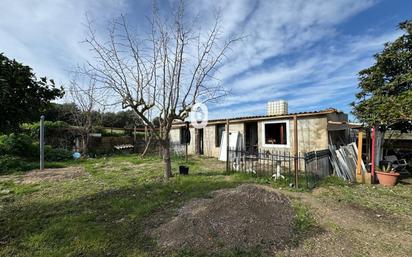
[209,133]
[312,135]
[178,148]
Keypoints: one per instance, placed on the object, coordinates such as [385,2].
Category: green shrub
[17,145]
[12,163]
[21,145]
[51,128]
[56,154]
[115,133]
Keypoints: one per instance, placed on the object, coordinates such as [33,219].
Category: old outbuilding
[277,130]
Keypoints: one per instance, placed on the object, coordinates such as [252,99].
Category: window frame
[287,145]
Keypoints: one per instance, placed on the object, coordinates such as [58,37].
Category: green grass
[24,165]
[107,211]
[395,200]
[303,220]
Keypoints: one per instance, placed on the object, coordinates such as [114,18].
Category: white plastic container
[278,107]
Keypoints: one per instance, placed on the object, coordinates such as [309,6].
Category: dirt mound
[242,218]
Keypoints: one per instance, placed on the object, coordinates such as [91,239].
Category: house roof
[268,117]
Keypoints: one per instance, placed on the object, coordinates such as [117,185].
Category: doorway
[199,142]
[251,137]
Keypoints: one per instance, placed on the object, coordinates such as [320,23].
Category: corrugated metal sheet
[264,117]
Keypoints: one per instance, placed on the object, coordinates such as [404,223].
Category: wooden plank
[227,145]
[295,148]
[360,176]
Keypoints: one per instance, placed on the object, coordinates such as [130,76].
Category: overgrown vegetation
[19,152]
[50,127]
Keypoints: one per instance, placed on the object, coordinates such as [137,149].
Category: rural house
[274,131]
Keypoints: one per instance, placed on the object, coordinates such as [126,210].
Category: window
[276,133]
[218,134]
[184,136]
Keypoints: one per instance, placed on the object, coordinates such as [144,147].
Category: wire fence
[301,170]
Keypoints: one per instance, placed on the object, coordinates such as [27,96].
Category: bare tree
[88,98]
[166,71]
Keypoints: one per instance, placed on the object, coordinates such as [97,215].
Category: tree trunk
[166,159]
[85,143]
[146,146]
[380,140]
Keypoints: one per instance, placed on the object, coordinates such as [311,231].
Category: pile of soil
[242,218]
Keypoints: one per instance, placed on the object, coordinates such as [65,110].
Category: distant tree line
[65,112]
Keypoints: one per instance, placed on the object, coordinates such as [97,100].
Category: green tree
[385,99]
[23,97]
[61,112]
[122,119]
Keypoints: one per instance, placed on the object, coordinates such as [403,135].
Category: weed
[304,220]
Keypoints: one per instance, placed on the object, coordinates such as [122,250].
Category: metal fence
[278,164]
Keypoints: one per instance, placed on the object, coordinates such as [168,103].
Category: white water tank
[278,107]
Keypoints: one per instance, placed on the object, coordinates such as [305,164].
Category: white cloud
[275,28]
[292,50]
[315,80]
[46,34]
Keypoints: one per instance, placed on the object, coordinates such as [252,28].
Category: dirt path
[352,230]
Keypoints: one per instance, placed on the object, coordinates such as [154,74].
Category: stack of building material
[344,161]
[122,147]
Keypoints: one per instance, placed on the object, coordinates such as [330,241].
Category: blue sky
[306,52]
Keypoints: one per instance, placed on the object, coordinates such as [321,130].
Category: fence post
[305,156]
[227,145]
[295,148]
[42,143]
[360,177]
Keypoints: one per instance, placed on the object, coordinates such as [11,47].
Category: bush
[51,128]
[57,154]
[17,145]
[12,163]
[21,145]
